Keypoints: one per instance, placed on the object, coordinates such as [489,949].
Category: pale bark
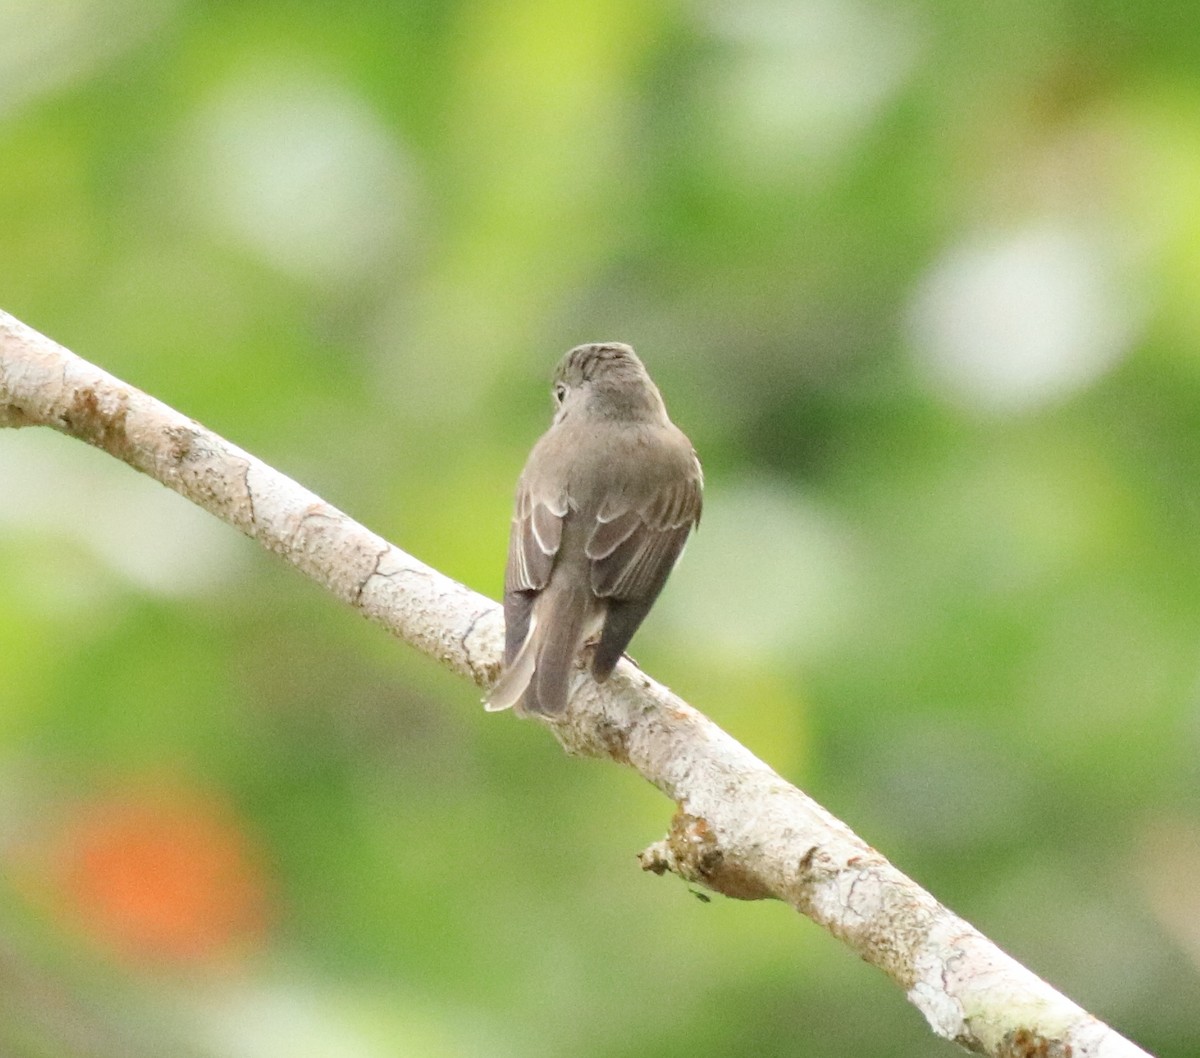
[739,829]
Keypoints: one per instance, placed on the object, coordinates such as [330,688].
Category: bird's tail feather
[564,627]
[515,678]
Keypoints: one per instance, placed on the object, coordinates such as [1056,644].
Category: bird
[603,510]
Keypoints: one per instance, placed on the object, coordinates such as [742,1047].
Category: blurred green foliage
[920,282]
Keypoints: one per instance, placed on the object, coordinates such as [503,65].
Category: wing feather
[633,552]
[631,573]
[610,534]
[534,540]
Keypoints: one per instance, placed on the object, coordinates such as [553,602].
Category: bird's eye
[560,393]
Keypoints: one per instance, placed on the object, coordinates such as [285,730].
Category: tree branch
[739,828]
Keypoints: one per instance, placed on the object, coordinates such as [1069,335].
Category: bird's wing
[633,549]
[534,540]
[532,545]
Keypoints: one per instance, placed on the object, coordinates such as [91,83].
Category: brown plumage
[603,510]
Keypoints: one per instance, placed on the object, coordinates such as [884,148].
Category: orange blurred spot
[163,874]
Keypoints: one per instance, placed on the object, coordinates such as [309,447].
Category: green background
[922,283]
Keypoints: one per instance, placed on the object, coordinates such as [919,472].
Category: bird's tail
[540,674]
[567,616]
[514,679]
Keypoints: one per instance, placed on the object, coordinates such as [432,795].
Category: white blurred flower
[769,575]
[278,1014]
[46,45]
[1022,320]
[812,75]
[298,170]
[143,532]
